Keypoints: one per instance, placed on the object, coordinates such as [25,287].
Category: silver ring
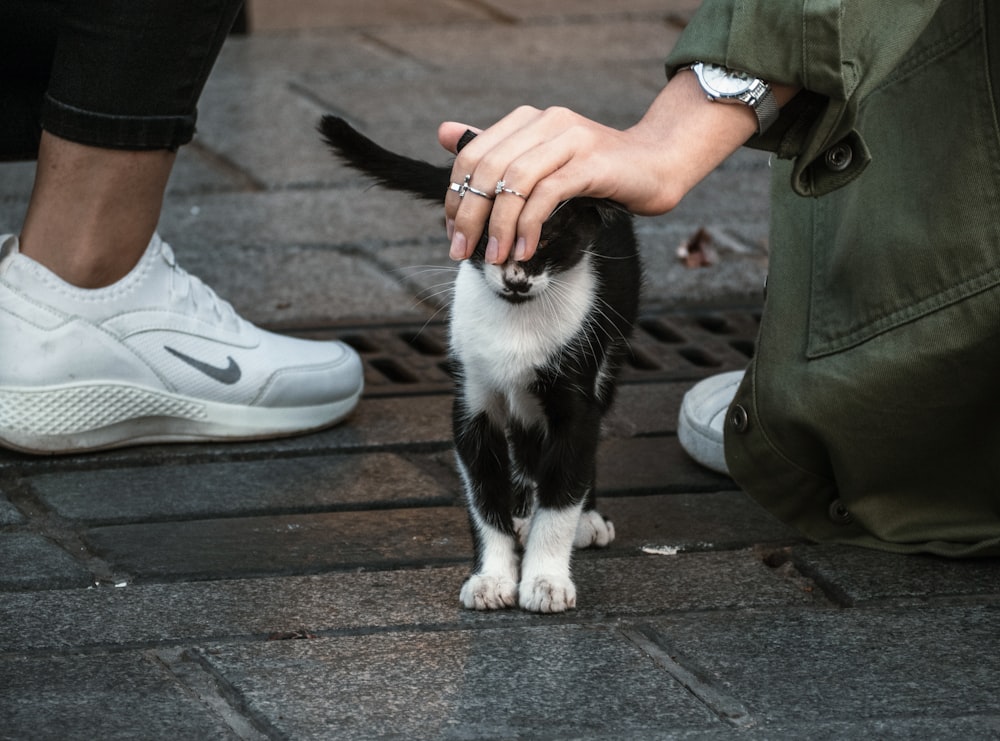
[460,188]
[476,191]
[502,188]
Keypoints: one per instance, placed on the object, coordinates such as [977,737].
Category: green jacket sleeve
[838,51]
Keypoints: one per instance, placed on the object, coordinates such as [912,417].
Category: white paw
[547,594]
[486,592]
[594,530]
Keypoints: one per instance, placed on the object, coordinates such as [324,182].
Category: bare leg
[93,211]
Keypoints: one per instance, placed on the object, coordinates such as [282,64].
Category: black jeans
[117,74]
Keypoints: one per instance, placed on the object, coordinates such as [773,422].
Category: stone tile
[239,120]
[267,130]
[16,181]
[794,669]
[538,45]
[859,576]
[595,11]
[32,561]
[112,696]
[360,602]
[904,729]
[744,178]
[424,268]
[199,171]
[652,464]
[283,285]
[288,544]
[645,409]
[267,15]
[667,523]
[612,96]
[530,682]
[240,488]
[381,539]
[346,217]
[9,514]
[278,58]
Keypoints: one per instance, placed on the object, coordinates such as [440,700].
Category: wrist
[686,136]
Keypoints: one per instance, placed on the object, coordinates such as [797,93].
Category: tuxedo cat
[537,346]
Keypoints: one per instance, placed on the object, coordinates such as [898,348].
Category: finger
[490,162]
[547,173]
[451,131]
[474,208]
[467,229]
[516,221]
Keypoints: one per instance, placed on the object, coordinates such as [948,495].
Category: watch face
[726,82]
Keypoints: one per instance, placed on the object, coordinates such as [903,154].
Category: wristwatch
[724,85]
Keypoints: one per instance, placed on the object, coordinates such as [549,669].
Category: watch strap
[766,108]
[759,98]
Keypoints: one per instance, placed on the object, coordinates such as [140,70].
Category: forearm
[683,136]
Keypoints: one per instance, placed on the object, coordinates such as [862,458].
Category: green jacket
[871,411]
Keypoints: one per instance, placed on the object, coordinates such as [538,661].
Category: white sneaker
[156,357]
[703,416]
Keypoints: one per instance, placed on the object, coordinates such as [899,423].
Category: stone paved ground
[307,588]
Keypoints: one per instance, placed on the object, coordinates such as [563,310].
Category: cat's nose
[515,279]
[517,286]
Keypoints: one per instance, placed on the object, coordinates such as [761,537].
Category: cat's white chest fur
[500,344]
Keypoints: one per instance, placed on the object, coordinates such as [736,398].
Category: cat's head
[570,232]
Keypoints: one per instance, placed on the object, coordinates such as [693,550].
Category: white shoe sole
[702,416]
[87,417]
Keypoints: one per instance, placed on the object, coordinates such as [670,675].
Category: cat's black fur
[538,347]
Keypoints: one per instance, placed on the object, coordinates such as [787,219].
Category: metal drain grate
[407,359]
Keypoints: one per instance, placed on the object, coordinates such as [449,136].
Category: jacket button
[839,514]
[739,418]
[839,156]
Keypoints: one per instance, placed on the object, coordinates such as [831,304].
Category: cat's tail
[392,170]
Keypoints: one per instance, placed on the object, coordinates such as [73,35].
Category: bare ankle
[93,211]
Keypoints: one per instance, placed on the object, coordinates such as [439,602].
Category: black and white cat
[538,346]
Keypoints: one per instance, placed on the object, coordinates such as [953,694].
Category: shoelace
[190,288]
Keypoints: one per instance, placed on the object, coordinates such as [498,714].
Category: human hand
[550,155]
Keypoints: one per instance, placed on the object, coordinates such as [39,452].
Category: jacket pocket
[920,229]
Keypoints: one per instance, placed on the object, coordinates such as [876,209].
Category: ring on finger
[476,191]
[502,188]
[461,188]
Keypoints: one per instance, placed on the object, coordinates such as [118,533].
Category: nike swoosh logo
[228,375]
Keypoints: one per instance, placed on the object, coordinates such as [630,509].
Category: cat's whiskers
[597,310]
[435,291]
[602,256]
[431,293]
[412,271]
[555,293]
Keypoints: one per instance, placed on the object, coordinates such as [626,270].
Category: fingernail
[449,225]
[458,246]
[520,247]
[492,249]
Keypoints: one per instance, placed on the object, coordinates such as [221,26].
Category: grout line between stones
[722,704]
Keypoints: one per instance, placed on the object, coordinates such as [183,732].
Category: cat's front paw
[486,592]
[593,530]
[547,594]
